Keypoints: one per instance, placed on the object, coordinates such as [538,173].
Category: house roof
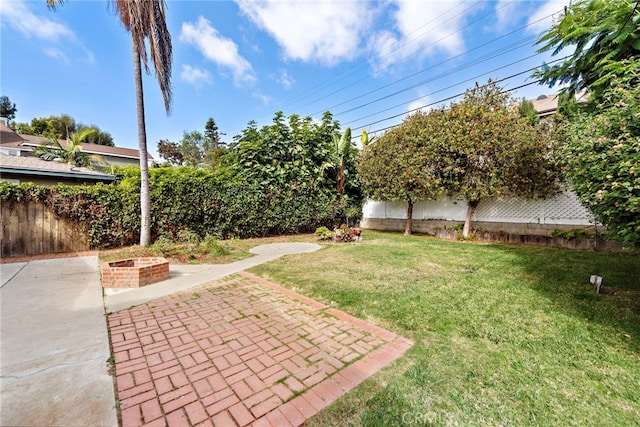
[546,105]
[9,138]
[27,165]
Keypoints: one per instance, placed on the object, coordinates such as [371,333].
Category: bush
[186,204]
[324,233]
[163,245]
[214,247]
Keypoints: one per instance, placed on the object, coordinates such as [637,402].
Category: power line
[424,69]
[404,58]
[453,85]
[458,95]
[449,98]
[445,74]
[363,63]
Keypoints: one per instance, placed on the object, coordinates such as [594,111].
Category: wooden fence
[29,228]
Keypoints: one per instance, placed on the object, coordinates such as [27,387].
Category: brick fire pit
[134,272]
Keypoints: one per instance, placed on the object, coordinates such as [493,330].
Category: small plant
[347,234]
[163,245]
[324,233]
[577,233]
[188,236]
[458,228]
[214,247]
[192,240]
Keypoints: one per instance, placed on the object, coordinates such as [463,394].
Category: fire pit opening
[134,272]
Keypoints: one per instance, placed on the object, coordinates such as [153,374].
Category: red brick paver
[240,351]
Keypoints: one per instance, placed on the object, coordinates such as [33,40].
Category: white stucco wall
[562,209]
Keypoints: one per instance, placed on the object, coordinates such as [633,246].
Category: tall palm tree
[145,19]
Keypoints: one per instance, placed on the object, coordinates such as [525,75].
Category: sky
[370,63]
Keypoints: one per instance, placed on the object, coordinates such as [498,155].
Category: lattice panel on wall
[564,208]
[510,210]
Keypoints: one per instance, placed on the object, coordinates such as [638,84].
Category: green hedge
[182,198]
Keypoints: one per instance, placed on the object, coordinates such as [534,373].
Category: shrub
[214,246]
[163,245]
[324,233]
[187,203]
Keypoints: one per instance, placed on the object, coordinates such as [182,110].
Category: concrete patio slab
[55,346]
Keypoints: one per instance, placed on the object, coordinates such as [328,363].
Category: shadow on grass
[562,276]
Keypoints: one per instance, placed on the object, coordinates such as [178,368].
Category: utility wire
[458,95]
[363,63]
[422,70]
[404,58]
[453,85]
[492,55]
[373,132]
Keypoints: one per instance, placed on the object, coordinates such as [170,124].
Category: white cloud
[421,28]
[507,12]
[56,54]
[325,32]
[16,14]
[56,39]
[195,76]
[218,49]
[266,100]
[284,78]
[544,17]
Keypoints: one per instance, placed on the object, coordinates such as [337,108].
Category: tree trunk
[471,209]
[407,226]
[145,196]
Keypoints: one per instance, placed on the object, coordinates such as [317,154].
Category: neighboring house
[547,105]
[14,144]
[20,168]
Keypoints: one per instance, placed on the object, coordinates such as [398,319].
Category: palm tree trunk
[145,196]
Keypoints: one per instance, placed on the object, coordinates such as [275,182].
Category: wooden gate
[30,228]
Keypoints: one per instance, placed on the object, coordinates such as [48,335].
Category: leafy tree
[286,157]
[52,127]
[491,151]
[214,147]
[403,164]
[603,32]
[192,148]
[145,19]
[528,110]
[62,127]
[602,154]
[98,137]
[7,108]
[212,135]
[72,152]
[477,148]
[170,152]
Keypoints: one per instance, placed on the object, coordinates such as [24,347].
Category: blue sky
[368,62]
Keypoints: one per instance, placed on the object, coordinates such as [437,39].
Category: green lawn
[504,335]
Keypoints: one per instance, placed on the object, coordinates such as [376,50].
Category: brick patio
[240,351]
